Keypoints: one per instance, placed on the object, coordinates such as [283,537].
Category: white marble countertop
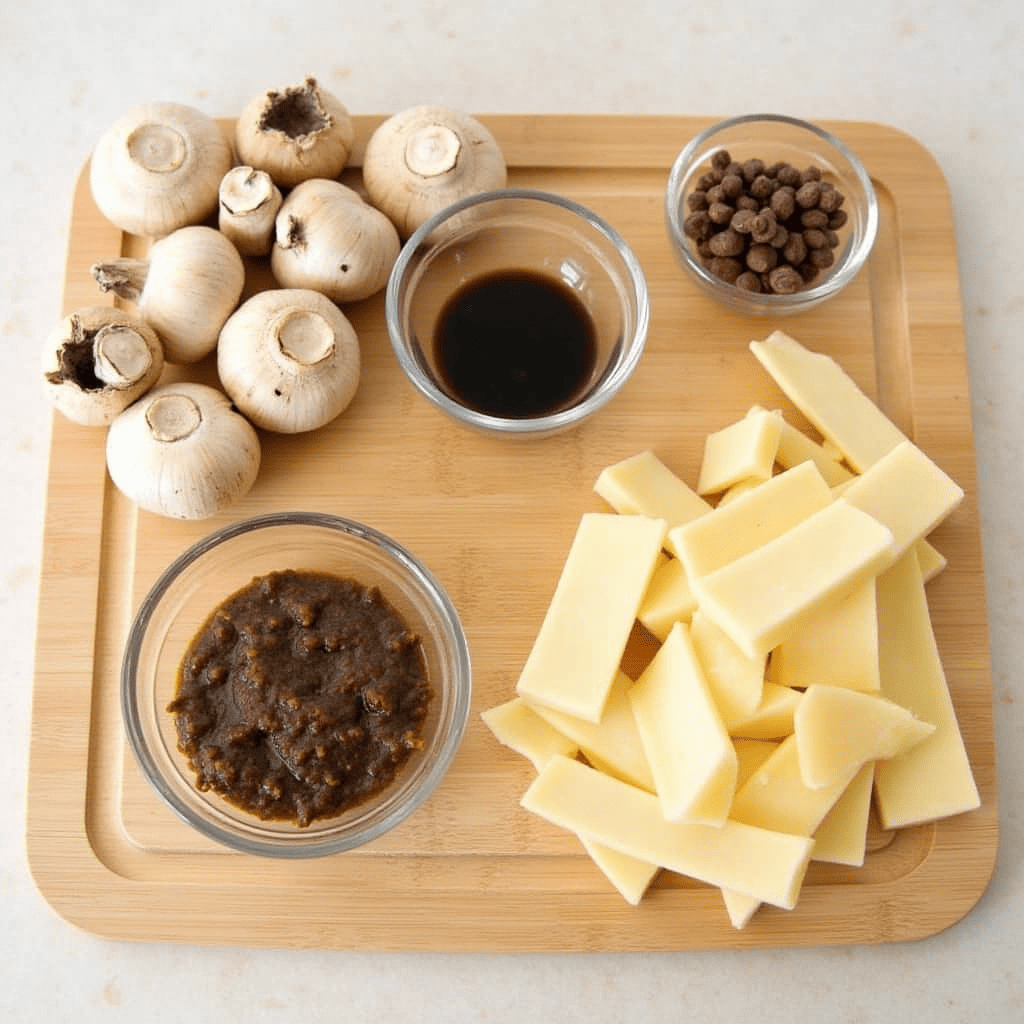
[947,72]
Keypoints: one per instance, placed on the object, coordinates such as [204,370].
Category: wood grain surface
[493,520]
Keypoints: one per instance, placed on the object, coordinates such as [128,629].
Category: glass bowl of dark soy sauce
[518,312]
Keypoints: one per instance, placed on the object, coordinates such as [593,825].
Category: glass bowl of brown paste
[295,684]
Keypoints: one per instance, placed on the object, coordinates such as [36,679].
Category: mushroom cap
[424,158]
[183,451]
[97,361]
[289,359]
[296,133]
[158,168]
[329,239]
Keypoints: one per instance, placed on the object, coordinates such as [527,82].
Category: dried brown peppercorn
[698,226]
[747,203]
[831,198]
[808,194]
[783,202]
[785,280]
[716,194]
[762,187]
[821,258]
[814,219]
[732,186]
[794,252]
[811,173]
[726,267]
[697,200]
[720,213]
[815,239]
[752,168]
[727,243]
[837,220]
[721,159]
[763,227]
[743,221]
[762,257]
[749,281]
[788,175]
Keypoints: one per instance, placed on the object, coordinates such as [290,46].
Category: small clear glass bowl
[510,230]
[771,138]
[215,568]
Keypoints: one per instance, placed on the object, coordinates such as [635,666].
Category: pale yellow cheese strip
[796,447]
[576,655]
[763,596]
[776,798]
[613,744]
[691,755]
[838,730]
[736,681]
[934,779]
[520,728]
[773,719]
[741,451]
[931,560]
[842,837]
[750,755]
[838,646]
[643,485]
[631,876]
[668,600]
[750,520]
[907,492]
[829,398]
[766,865]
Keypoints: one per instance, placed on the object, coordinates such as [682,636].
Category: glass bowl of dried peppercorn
[295,684]
[770,214]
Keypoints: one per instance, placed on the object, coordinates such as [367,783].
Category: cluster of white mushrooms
[288,358]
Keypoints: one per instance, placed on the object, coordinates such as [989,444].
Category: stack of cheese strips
[796,672]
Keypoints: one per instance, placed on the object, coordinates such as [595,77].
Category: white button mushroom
[158,168]
[423,159]
[183,451]
[289,359]
[296,133]
[249,202]
[188,285]
[329,239]
[98,361]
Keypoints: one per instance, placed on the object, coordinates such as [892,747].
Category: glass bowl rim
[610,383]
[731,295]
[299,845]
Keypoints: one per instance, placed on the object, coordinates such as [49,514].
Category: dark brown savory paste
[302,696]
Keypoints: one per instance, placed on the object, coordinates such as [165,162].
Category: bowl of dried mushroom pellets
[770,214]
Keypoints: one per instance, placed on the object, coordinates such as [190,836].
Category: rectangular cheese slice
[736,681]
[643,485]
[750,755]
[775,797]
[772,719]
[934,779]
[744,450]
[691,755]
[576,655]
[668,600]
[768,866]
[764,596]
[907,492]
[796,447]
[520,728]
[842,837]
[632,877]
[750,520]
[837,646]
[829,398]
[613,744]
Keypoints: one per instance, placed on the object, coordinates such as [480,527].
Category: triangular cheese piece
[838,730]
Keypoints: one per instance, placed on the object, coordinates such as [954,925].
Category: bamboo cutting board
[493,520]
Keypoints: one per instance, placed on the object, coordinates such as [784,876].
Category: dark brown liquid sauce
[515,344]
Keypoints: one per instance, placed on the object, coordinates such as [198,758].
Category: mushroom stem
[304,336]
[122,356]
[249,202]
[173,417]
[157,148]
[432,150]
[124,276]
